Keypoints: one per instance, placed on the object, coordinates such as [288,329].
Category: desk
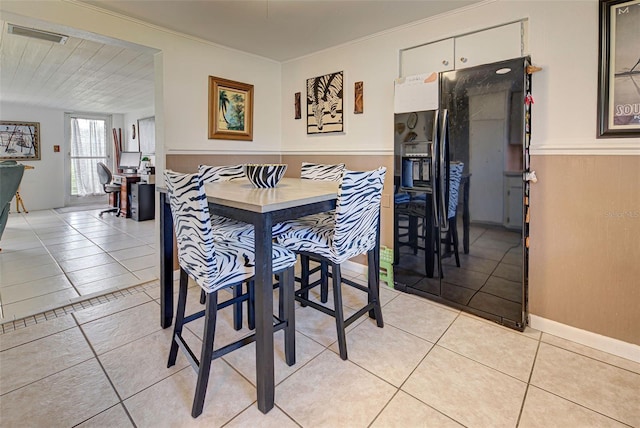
[238,199]
[125,181]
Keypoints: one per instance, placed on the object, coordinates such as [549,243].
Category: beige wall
[585,243]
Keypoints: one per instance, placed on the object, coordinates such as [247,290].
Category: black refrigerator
[460,200]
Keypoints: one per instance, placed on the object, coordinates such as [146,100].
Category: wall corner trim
[587,338]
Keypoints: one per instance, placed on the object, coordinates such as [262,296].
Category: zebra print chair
[319,172]
[353,231]
[414,211]
[215,265]
[223,227]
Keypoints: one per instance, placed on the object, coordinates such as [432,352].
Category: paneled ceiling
[97,76]
[80,75]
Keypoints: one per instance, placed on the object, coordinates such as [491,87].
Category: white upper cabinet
[483,47]
[488,46]
[437,56]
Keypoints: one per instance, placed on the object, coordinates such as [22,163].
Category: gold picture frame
[19,140]
[230,109]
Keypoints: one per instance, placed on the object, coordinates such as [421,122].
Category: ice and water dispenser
[416,165]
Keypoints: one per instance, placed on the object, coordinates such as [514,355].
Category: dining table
[263,207]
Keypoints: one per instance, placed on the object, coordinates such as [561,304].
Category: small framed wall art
[19,140]
[230,110]
[298,111]
[358,103]
[324,104]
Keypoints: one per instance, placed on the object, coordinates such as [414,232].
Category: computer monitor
[129,162]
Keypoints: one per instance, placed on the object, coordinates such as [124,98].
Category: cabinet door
[484,47]
[437,56]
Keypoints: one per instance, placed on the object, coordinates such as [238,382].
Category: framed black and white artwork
[324,104]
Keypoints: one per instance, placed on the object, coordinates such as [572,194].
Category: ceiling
[100,76]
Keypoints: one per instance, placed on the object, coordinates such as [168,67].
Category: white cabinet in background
[437,56]
[488,46]
[482,47]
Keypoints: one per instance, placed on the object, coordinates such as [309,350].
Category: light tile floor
[430,366]
[100,359]
[51,259]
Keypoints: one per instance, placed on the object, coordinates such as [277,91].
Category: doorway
[88,143]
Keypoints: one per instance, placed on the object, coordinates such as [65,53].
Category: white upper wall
[41,187]
[562,39]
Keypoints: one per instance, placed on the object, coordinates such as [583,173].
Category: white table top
[290,192]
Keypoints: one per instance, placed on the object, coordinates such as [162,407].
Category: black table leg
[264,313]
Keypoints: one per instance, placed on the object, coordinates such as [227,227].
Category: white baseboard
[355,267]
[587,338]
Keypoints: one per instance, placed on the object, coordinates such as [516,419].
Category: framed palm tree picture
[230,110]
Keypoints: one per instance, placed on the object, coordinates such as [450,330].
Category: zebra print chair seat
[352,231]
[225,228]
[316,172]
[215,265]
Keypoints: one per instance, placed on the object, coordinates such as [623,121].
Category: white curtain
[88,147]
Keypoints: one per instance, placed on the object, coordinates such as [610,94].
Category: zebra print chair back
[190,211]
[212,174]
[455,177]
[357,212]
[321,172]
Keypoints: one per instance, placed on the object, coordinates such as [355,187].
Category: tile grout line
[69,308]
[95,355]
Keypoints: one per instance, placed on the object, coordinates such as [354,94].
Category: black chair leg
[453,228]
[304,276]
[287,307]
[179,322]
[203,297]
[374,289]
[206,354]
[237,307]
[339,314]
[324,284]
[251,303]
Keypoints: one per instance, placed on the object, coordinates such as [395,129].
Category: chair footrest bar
[193,317]
[315,305]
[358,314]
[193,360]
[355,285]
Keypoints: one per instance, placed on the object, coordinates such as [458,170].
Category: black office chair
[104,173]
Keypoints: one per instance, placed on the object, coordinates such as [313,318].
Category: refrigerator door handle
[435,166]
[443,182]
